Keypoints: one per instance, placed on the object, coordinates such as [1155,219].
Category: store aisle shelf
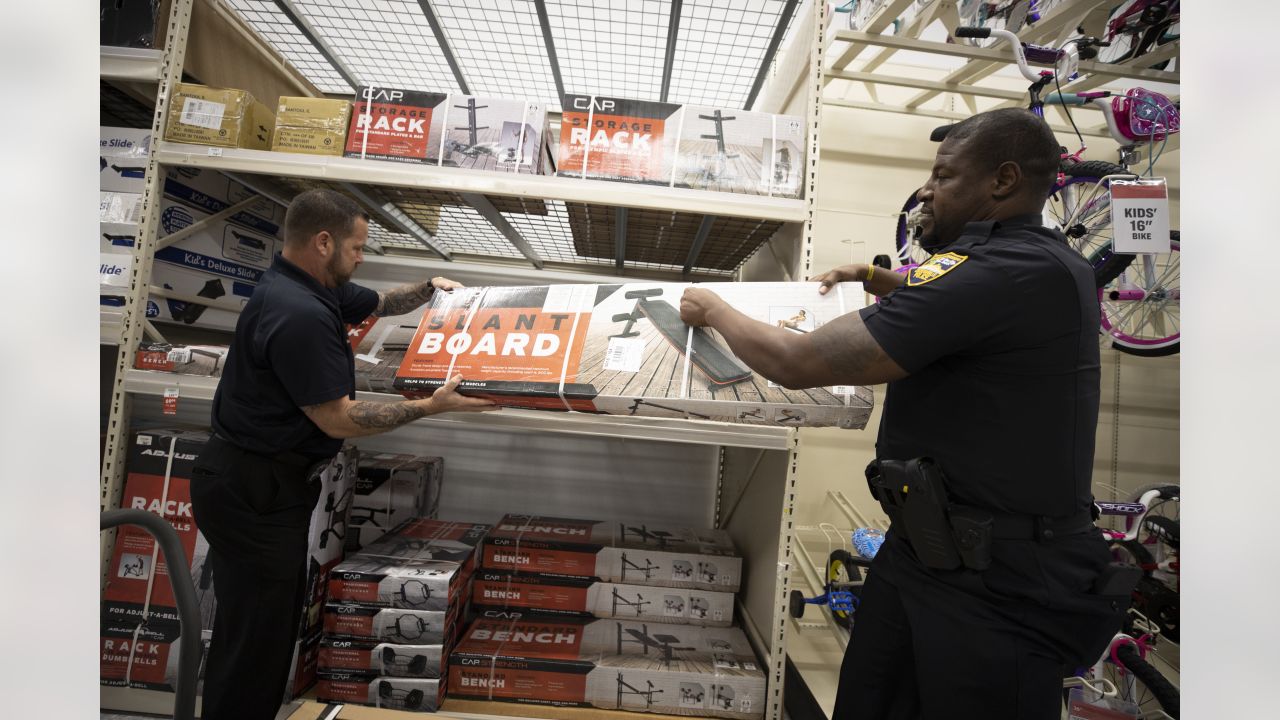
[123,64]
[700,432]
[542,187]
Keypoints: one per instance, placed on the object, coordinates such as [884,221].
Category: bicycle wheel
[1141,683]
[907,236]
[1141,306]
[1080,206]
[841,569]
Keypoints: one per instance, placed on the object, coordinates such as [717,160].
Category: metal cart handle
[184,593]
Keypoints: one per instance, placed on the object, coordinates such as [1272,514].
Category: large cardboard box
[431,539]
[628,553]
[201,360]
[122,166]
[694,146]
[423,564]
[393,124]
[612,664]
[389,489]
[409,694]
[384,658]
[587,597]
[313,126]
[733,150]
[612,138]
[446,129]
[224,117]
[144,656]
[396,625]
[622,350]
[138,589]
[487,133]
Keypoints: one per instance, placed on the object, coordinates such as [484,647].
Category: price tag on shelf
[215,152]
[170,402]
[1140,215]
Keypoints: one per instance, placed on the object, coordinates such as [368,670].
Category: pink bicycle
[1139,296]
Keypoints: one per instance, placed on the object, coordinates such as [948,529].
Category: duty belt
[295,459]
[1011,526]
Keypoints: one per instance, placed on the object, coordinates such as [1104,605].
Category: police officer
[285,403]
[990,351]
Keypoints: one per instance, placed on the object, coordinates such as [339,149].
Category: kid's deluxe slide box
[622,350]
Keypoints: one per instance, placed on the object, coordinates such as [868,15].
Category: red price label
[170,406]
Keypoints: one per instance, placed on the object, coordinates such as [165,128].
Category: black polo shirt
[290,351]
[999,332]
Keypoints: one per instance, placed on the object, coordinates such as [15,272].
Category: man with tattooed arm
[285,403]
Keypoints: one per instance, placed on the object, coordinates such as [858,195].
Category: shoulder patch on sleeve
[934,268]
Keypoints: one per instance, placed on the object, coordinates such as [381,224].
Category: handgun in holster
[944,535]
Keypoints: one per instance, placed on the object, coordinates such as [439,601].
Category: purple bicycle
[1140,297]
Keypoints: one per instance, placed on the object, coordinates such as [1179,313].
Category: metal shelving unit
[753,484]
[1059,23]
[122,64]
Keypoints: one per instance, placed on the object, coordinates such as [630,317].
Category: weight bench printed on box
[647,569]
[661,643]
[658,537]
[625,688]
[637,604]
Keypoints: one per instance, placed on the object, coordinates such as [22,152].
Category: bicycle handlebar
[1019,54]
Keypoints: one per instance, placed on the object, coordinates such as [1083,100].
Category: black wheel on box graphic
[841,570]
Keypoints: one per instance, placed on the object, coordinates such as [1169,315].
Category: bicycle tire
[841,561]
[1164,691]
[1141,556]
[1089,231]
[1164,529]
[906,236]
[1162,296]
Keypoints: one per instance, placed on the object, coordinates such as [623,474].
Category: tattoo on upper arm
[376,415]
[848,347]
[398,301]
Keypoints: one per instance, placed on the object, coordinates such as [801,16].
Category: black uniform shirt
[999,332]
[290,351]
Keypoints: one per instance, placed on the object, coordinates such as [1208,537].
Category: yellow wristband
[871,270]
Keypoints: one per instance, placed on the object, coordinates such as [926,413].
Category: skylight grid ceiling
[499,47]
[720,48]
[387,43]
[275,27]
[611,47]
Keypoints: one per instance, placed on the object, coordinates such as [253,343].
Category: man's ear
[1006,180]
[324,242]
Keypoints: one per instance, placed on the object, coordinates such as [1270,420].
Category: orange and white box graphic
[612,664]
[623,350]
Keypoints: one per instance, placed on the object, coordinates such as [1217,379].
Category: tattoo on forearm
[376,415]
[847,346]
[401,300]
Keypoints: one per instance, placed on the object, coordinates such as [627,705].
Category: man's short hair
[318,210]
[1012,135]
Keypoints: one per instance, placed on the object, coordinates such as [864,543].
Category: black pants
[255,513]
[965,645]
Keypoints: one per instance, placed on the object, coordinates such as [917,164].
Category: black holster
[945,536]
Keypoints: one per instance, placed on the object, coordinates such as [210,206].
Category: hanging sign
[1140,215]
[170,406]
